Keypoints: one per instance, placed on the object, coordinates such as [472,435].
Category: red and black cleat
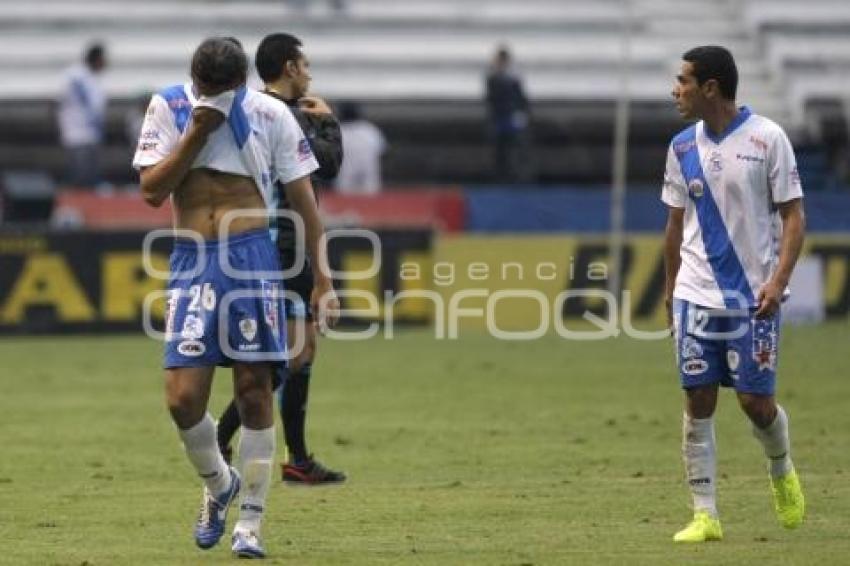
[311,472]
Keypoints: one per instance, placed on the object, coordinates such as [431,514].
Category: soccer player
[286,73]
[734,197]
[217,148]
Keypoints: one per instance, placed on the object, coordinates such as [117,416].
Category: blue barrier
[587,209]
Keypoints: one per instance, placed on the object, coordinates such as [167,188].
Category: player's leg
[301,467]
[700,456]
[293,399]
[253,394]
[187,392]
[700,371]
[755,356]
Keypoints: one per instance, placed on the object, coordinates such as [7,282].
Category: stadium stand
[418,68]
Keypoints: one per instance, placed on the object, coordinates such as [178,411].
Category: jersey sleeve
[292,157]
[782,176]
[674,192]
[159,134]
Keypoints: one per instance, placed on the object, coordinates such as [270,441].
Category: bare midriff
[206,196]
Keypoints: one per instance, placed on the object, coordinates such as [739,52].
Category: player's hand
[313,105]
[205,120]
[325,305]
[769,299]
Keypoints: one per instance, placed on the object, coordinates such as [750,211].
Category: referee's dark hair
[714,62]
[274,52]
[220,62]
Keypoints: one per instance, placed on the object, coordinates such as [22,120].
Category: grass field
[467,452]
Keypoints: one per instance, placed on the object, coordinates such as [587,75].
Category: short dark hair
[94,53]
[714,62]
[274,52]
[219,62]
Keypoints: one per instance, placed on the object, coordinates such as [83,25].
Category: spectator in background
[82,117]
[507,107]
[362,144]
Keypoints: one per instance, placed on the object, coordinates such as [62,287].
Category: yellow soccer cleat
[788,500]
[703,528]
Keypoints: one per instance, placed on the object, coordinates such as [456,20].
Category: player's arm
[299,193]
[674,195]
[159,180]
[793,230]
[327,142]
[786,193]
[672,255]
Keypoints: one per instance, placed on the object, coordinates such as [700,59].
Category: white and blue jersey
[729,186]
[225,297]
[260,139]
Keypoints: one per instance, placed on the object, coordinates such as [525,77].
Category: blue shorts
[214,317]
[732,348]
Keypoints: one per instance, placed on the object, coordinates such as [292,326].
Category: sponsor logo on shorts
[191,348]
[696,187]
[695,367]
[193,328]
[249,347]
[691,348]
[248,328]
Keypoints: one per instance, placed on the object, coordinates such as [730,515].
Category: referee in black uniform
[285,71]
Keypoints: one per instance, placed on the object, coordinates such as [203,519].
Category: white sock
[776,443]
[700,457]
[256,455]
[204,453]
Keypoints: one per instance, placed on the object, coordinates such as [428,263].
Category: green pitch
[467,452]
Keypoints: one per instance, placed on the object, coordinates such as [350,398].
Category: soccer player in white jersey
[733,235]
[217,148]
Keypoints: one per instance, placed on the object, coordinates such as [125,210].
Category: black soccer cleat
[311,472]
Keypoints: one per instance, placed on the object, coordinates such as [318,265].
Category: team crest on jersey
[715,162]
[696,187]
[248,328]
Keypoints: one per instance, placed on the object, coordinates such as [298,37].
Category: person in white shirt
[363,144]
[82,117]
[734,233]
